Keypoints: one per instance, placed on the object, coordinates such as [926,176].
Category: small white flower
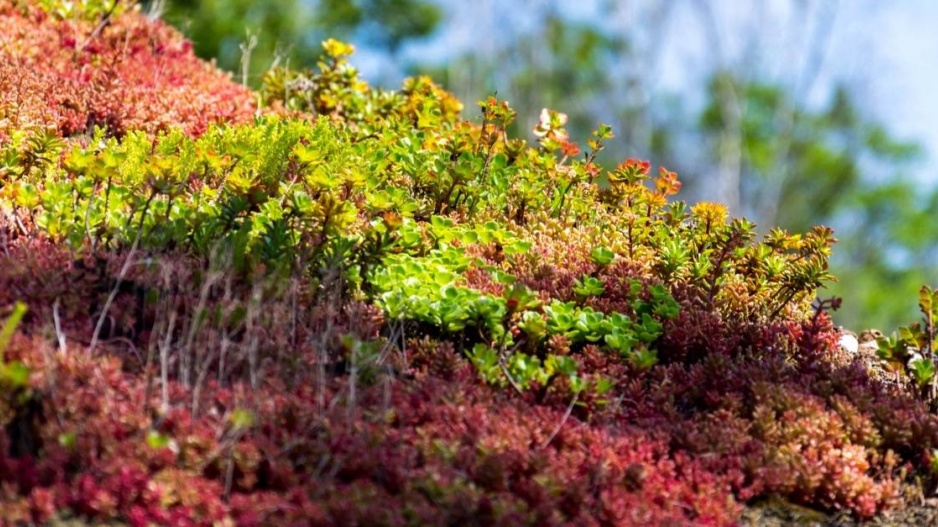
[848,342]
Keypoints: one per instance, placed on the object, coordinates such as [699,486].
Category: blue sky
[906,94]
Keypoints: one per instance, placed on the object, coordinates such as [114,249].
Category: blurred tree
[889,240]
[802,169]
[261,33]
[589,72]
[388,24]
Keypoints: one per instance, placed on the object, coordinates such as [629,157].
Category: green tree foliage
[799,166]
[387,24]
[563,64]
[277,30]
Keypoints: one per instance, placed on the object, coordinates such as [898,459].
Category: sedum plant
[430,217]
[911,353]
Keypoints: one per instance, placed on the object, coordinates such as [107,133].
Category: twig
[229,477]
[246,49]
[563,421]
[60,335]
[252,315]
[185,360]
[101,25]
[164,361]
[511,380]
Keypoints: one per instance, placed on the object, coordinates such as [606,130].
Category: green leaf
[603,131]
[241,419]
[533,324]
[68,440]
[560,317]
[926,301]
[590,325]
[9,327]
[621,341]
[518,247]
[15,374]
[156,440]
[907,335]
[587,286]
[469,237]
[562,364]
[520,298]
[485,360]
[602,256]
[578,384]
[618,323]
[450,292]
[524,368]
[643,358]
[649,330]
[500,277]
[923,371]
[603,385]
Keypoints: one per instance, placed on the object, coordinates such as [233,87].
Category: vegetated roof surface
[326,304]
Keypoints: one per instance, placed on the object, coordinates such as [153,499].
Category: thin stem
[563,421]
[60,335]
[120,276]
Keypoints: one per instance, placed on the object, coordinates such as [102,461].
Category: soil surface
[779,513]
[771,513]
